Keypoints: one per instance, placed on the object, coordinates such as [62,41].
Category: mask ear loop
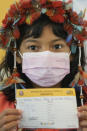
[20,54]
[69,53]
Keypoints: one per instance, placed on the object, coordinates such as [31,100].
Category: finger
[15,129]
[84,129]
[82,115]
[11,112]
[82,108]
[83,124]
[1,129]
[10,118]
[10,126]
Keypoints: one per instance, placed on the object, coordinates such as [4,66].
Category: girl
[37,34]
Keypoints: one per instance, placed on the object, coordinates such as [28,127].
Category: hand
[9,119]
[82,114]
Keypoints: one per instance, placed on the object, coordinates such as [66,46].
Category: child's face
[48,41]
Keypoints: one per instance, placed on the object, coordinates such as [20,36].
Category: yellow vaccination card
[52,108]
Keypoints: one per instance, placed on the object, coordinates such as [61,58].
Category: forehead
[46,35]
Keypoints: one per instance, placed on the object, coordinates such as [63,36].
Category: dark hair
[35,31]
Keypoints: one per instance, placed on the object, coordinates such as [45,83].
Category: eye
[57,46]
[33,48]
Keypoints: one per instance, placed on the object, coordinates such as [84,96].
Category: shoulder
[4,103]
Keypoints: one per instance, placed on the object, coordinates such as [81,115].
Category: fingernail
[20,111]
[18,121]
[78,114]
[78,107]
[13,129]
[19,117]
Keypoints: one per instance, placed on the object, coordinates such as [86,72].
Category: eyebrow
[31,40]
[53,41]
[36,41]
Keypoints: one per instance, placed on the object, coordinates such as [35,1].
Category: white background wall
[80,5]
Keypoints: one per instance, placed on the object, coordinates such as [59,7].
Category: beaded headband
[59,11]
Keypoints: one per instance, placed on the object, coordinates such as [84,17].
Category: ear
[18,59]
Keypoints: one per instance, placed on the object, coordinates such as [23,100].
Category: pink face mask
[46,68]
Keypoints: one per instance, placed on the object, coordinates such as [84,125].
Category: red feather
[57,18]
[42,2]
[35,16]
[13,10]
[22,20]
[57,4]
[25,4]
[16,33]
